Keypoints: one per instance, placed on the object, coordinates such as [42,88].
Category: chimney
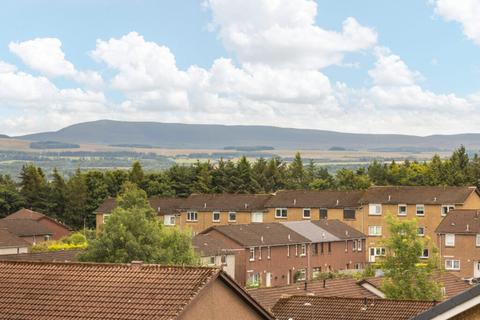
[136,264]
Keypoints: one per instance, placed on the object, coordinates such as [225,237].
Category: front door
[268,280]
[372,255]
[476,269]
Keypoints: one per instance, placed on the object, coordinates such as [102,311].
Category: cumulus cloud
[466,12]
[45,55]
[284,33]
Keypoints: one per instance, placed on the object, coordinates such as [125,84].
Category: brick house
[58,229]
[31,231]
[92,291]
[458,240]
[275,254]
[214,252]
[11,244]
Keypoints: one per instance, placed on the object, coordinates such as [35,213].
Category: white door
[372,255]
[476,269]
[257,216]
[268,279]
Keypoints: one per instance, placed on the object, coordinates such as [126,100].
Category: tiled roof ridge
[307,296]
[301,284]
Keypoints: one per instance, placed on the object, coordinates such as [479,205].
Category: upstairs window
[257,216]
[359,247]
[402,209]
[446,208]
[450,240]
[232,216]
[477,240]
[421,231]
[306,213]
[374,209]
[355,244]
[192,216]
[452,264]
[424,254]
[169,220]
[420,210]
[303,252]
[281,213]
[105,217]
[216,216]
[348,214]
[323,213]
[375,231]
[211,261]
[252,254]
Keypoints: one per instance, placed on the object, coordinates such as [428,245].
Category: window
[374,209]
[349,214]
[105,217]
[268,253]
[281,213]
[375,231]
[223,259]
[420,210]
[421,231]
[303,250]
[424,254]
[211,261]
[379,251]
[259,253]
[301,275]
[306,213]
[216,216]
[355,243]
[46,237]
[192,216]
[316,272]
[329,247]
[402,209]
[357,266]
[169,220]
[296,250]
[359,248]
[450,240]
[323,213]
[252,254]
[452,264]
[315,248]
[446,209]
[257,216]
[232,216]
[288,251]
[254,279]
[321,248]
[477,240]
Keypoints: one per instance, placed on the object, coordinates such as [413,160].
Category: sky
[370,66]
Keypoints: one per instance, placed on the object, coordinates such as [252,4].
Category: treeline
[74,200]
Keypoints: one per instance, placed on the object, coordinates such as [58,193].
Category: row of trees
[74,199]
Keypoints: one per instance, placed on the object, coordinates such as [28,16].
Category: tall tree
[57,196]
[203,178]
[296,173]
[136,174]
[406,275]
[76,212]
[246,182]
[10,198]
[33,188]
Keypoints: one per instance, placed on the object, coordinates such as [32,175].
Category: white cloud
[284,33]
[45,55]
[466,12]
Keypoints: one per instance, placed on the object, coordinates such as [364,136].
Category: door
[289,277]
[268,280]
[476,270]
[372,255]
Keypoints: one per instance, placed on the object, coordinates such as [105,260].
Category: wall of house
[472,202]
[228,266]
[465,250]
[471,314]
[58,230]
[342,256]
[218,302]
[34,239]
[205,220]
[13,250]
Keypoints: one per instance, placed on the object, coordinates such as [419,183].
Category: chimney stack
[136,264]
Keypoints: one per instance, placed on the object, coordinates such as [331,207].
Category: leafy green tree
[136,174]
[182,178]
[76,212]
[406,275]
[134,233]
[97,192]
[158,184]
[33,188]
[114,180]
[296,173]
[349,180]
[10,198]
[275,175]
[204,178]
[57,196]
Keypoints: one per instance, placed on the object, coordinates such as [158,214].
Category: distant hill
[4,136]
[199,136]
[53,145]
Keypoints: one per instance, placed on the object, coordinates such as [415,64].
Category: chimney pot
[136,264]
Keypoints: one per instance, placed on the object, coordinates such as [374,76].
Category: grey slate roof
[311,231]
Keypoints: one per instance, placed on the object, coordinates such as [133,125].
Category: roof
[162,205]
[417,195]
[454,306]
[314,199]
[259,234]
[33,215]
[339,229]
[24,227]
[337,287]
[453,285]
[460,221]
[57,291]
[9,240]
[225,202]
[333,308]
[206,245]
[47,256]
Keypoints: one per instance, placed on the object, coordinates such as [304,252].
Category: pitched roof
[453,285]
[33,215]
[206,245]
[225,202]
[47,256]
[103,291]
[417,195]
[24,227]
[259,234]
[454,306]
[339,229]
[333,308]
[162,205]
[9,240]
[460,221]
[314,199]
[337,287]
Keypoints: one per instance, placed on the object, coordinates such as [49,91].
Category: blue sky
[402,60]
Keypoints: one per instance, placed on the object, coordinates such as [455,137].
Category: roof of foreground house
[9,240]
[25,227]
[324,230]
[58,291]
[460,221]
[47,256]
[315,199]
[206,245]
[32,215]
[340,308]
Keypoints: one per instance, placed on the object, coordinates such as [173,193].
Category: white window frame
[416,210]
[477,240]
[450,264]
[421,234]
[303,250]
[213,216]
[406,210]
[320,213]
[254,278]
[425,256]
[296,250]
[256,214]
[288,250]
[374,209]
[281,210]
[192,214]
[303,272]
[449,207]
[252,254]
[105,217]
[259,253]
[269,252]
[210,263]
[355,244]
[450,243]
[309,213]
[359,247]
[167,219]
[375,231]
[229,216]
